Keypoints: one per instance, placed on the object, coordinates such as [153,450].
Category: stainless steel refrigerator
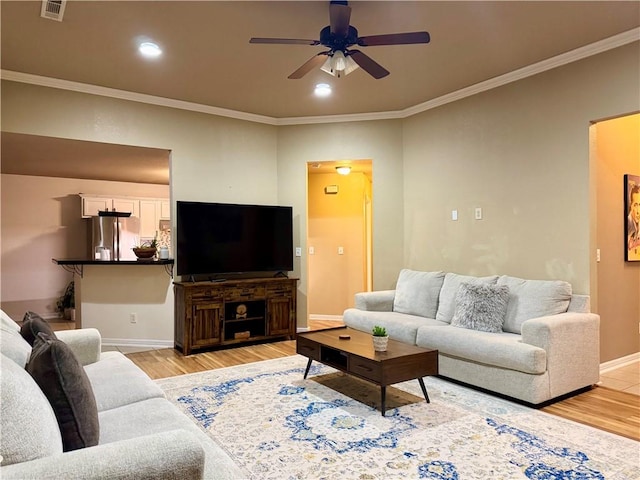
[113,237]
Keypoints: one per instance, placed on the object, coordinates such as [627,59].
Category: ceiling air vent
[53,9]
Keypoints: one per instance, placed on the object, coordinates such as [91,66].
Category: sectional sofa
[532,340]
[137,434]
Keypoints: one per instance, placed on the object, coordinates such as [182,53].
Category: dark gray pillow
[32,325]
[58,373]
[481,307]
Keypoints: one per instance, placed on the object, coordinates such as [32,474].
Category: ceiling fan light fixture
[343,170]
[339,65]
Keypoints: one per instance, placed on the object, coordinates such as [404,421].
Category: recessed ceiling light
[322,90]
[149,49]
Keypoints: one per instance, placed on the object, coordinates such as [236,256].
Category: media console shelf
[216,314]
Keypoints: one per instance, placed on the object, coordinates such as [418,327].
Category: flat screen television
[222,238]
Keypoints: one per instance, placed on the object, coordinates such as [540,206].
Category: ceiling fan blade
[309,65]
[339,17]
[370,66]
[284,41]
[394,39]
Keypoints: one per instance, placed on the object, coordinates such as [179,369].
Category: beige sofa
[141,434]
[546,346]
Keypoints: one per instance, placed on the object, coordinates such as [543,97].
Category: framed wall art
[632,218]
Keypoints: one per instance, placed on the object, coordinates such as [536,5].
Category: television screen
[214,238]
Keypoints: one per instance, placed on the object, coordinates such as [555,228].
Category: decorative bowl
[145,252]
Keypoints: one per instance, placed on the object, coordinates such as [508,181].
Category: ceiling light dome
[149,49]
[343,170]
[322,90]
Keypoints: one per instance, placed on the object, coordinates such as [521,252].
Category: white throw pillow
[447,299]
[417,293]
[533,298]
[481,307]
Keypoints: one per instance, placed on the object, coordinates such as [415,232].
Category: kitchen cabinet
[91,205]
[151,212]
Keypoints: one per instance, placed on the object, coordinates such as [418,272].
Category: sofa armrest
[379,301]
[86,343]
[176,454]
[572,343]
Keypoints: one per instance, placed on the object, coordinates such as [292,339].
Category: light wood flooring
[605,407]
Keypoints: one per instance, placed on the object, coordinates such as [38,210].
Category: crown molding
[131,96]
[528,71]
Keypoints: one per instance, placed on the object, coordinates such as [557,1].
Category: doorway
[339,233]
[615,151]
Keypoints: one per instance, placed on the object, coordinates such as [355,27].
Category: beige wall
[336,220]
[521,152]
[380,141]
[618,153]
[41,220]
[212,159]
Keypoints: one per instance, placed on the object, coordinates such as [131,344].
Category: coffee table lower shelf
[355,356]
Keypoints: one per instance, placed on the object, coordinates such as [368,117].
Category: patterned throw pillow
[481,307]
[58,373]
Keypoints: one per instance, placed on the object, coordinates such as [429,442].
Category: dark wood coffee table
[355,356]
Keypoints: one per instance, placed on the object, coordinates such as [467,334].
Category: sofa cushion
[481,307]
[447,298]
[32,324]
[399,326]
[112,378]
[12,344]
[417,293]
[504,350]
[159,415]
[65,384]
[532,299]
[29,426]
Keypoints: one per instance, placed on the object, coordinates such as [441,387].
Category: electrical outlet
[133,317]
[478,213]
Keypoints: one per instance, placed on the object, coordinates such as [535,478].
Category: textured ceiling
[208,60]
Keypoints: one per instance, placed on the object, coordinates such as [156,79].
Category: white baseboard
[619,362]
[326,318]
[136,342]
[302,329]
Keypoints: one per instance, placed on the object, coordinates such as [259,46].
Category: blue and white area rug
[275,425]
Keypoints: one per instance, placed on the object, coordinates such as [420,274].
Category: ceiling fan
[338,36]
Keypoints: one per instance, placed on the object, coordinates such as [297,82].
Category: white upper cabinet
[149,210]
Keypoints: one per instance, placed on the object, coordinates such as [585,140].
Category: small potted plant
[67,302]
[380,339]
[146,250]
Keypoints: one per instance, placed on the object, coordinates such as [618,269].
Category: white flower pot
[380,344]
